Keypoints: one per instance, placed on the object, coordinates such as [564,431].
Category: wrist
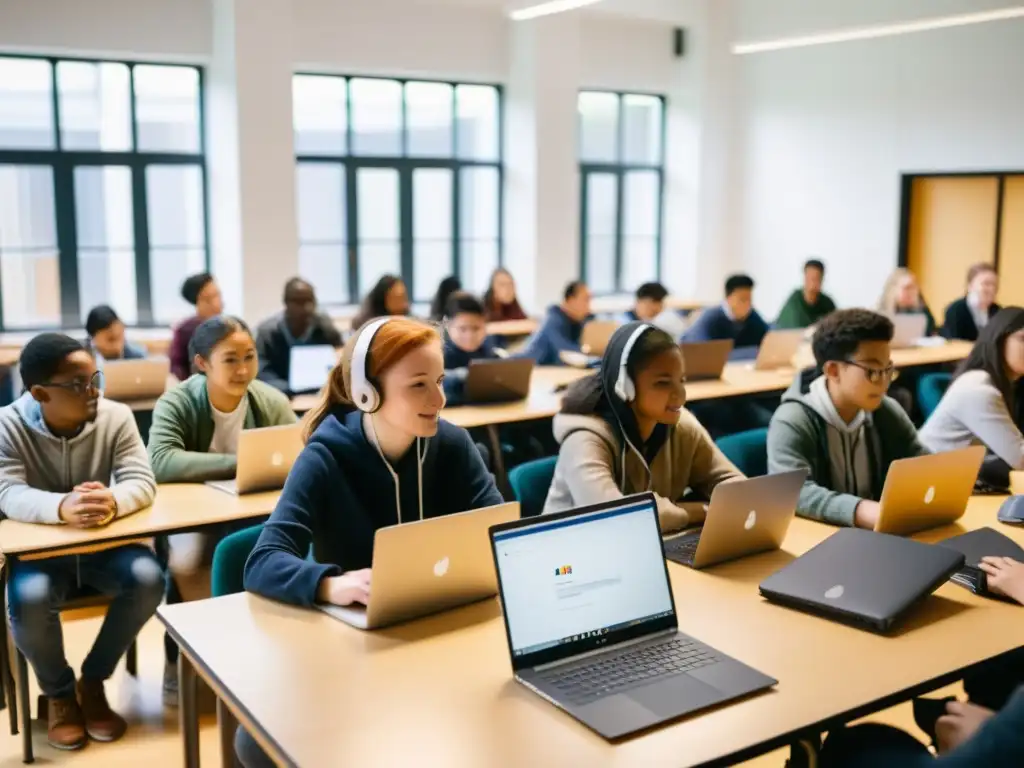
[323,590]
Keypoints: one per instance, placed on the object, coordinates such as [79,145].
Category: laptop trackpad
[675,695]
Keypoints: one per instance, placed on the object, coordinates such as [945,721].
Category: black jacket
[959,323]
[274,347]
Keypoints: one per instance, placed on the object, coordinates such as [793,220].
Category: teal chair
[530,483]
[930,389]
[229,561]
[748,451]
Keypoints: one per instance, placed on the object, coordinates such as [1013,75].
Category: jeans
[873,745]
[37,589]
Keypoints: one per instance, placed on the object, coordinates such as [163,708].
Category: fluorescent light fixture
[880,30]
[546,9]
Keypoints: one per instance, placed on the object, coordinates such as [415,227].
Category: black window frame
[62,163]
[620,169]
[405,165]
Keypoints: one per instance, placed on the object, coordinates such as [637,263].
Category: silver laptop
[745,517]
[127,380]
[309,366]
[428,566]
[591,623]
[778,349]
[908,329]
[596,335]
[265,457]
[705,360]
[498,381]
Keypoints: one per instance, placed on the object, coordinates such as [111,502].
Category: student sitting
[734,319]
[967,316]
[902,296]
[387,298]
[106,337]
[465,340]
[806,306]
[837,424]
[60,444]
[648,304]
[500,298]
[439,303]
[200,291]
[299,325]
[562,328]
[624,430]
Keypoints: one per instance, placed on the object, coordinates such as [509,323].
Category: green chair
[748,451]
[930,389]
[530,483]
[229,561]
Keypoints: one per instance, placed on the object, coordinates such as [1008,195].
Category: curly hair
[838,335]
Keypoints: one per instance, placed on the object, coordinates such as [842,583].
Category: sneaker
[65,724]
[171,685]
[101,722]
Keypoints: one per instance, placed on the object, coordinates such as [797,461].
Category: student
[299,325]
[806,306]
[967,316]
[648,304]
[837,423]
[734,319]
[106,337]
[61,443]
[500,298]
[388,297]
[902,296]
[562,328]
[624,430]
[465,340]
[439,303]
[200,291]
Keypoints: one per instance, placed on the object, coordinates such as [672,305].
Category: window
[400,176]
[621,146]
[102,190]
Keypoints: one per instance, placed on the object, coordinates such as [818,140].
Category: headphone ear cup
[368,400]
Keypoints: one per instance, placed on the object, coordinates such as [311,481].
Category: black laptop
[591,623]
[498,381]
[984,542]
[863,578]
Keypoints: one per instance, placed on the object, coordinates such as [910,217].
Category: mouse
[1012,511]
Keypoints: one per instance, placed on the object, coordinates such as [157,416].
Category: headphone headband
[364,394]
[624,387]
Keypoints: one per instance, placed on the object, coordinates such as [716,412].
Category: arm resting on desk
[171,462]
[134,486]
[19,500]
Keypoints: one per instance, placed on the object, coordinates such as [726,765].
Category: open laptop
[498,381]
[928,491]
[309,366]
[127,380]
[705,360]
[596,335]
[265,457]
[744,517]
[863,578]
[976,545]
[428,566]
[778,348]
[591,623]
[908,329]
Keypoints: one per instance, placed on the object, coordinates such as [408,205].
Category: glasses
[80,387]
[876,375]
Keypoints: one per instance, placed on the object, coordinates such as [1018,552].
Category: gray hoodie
[38,469]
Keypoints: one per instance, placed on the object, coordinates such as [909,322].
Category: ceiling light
[880,30]
[546,9]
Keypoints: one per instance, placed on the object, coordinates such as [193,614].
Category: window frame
[405,165]
[620,169]
[63,162]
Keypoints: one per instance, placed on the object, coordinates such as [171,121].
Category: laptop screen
[309,366]
[582,578]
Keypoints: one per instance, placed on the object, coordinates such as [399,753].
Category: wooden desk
[311,688]
[624,303]
[513,327]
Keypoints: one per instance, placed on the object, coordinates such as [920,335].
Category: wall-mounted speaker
[679,41]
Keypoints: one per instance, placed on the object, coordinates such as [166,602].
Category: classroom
[512,382]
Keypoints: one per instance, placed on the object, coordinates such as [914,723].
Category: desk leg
[226,725]
[498,460]
[187,711]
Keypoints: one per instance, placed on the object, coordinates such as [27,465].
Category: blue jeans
[37,589]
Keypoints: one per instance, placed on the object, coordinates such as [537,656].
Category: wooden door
[1011,244]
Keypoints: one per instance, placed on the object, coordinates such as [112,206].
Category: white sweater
[973,412]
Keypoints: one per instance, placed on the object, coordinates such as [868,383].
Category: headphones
[625,389]
[365,395]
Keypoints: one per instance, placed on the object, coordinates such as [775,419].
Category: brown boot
[65,724]
[101,722]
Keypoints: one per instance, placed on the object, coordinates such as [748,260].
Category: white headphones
[364,394]
[625,389]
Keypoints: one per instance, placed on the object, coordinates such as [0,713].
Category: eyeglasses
[876,375]
[81,387]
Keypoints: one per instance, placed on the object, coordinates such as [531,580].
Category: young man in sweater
[562,328]
[837,423]
[735,318]
[60,444]
[807,305]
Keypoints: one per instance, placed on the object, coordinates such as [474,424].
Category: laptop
[705,360]
[908,329]
[428,566]
[127,380]
[596,335]
[309,366]
[928,491]
[591,624]
[778,348]
[744,517]
[975,545]
[498,381]
[265,457]
[862,578]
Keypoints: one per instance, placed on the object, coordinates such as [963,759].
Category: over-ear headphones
[625,389]
[364,394]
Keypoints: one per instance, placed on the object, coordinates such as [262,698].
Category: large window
[621,145]
[400,176]
[102,190]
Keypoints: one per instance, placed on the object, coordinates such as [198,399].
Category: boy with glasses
[61,444]
[837,423]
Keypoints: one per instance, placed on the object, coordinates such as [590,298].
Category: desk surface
[321,686]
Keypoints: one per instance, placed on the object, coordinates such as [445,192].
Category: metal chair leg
[26,710]
[131,660]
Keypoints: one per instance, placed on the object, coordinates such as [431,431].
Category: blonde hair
[887,304]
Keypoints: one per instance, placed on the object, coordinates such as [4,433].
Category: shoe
[101,722]
[65,724]
[171,686]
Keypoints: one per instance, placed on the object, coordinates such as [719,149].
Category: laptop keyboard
[682,549]
[604,676]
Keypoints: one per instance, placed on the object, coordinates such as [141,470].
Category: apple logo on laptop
[929,495]
[277,460]
[751,520]
[441,567]
[834,593]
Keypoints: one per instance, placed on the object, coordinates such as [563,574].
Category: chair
[530,483]
[930,389]
[229,561]
[748,451]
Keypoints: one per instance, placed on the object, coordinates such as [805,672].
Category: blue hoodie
[558,333]
[714,324]
[340,492]
[456,366]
